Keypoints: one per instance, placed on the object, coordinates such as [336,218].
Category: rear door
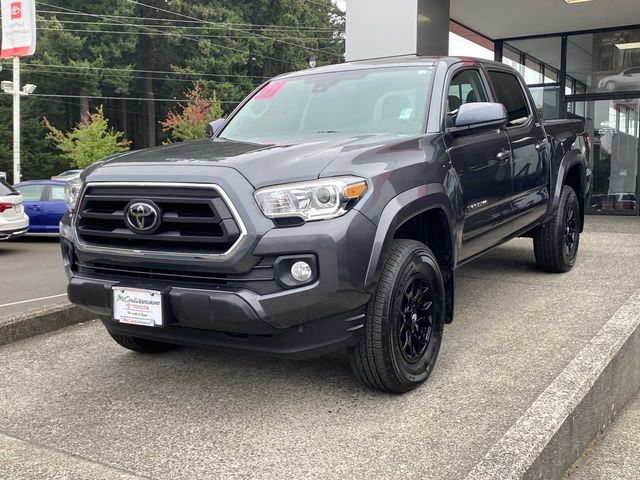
[33,195]
[531,155]
[54,208]
[482,162]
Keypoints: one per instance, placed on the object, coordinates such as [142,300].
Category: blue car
[44,205]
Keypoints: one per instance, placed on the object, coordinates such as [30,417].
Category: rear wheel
[556,243]
[141,345]
[405,321]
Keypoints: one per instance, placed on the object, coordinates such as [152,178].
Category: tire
[141,345]
[386,358]
[610,86]
[556,243]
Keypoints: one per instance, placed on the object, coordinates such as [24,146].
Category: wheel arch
[425,214]
[572,172]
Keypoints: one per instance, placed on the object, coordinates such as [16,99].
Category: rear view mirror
[479,115]
[214,127]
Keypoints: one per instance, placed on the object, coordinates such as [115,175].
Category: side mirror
[214,127]
[479,115]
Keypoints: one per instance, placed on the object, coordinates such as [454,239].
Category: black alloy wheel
[416,324]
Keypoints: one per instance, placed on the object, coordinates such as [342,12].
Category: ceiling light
[628,46]
[577,1]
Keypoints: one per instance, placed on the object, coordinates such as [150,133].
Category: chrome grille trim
[84,247]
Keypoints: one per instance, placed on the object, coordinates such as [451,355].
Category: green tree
[88,142]
[191,122]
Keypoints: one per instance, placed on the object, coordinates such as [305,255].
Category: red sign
[16,10]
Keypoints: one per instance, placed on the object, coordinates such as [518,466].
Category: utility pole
[16,120]
[18,40]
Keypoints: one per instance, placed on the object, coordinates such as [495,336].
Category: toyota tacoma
[328,212]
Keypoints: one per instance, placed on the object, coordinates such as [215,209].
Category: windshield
[375,101]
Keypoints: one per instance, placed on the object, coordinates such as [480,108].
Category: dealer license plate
[137,306]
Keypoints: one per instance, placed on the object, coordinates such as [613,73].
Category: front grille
[193,220]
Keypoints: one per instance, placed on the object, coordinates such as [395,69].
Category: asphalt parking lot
[74,403]
[31,273]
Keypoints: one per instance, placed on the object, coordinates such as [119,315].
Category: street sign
[18,28]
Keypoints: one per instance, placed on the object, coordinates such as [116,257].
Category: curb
[578,405]
[44,320]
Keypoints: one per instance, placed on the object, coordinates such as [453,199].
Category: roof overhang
[498,19]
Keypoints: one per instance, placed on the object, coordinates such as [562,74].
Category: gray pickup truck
[328,212]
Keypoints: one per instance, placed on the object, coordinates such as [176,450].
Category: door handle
[504,155]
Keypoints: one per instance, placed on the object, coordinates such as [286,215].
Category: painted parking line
[33,300]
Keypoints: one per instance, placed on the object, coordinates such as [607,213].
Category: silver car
[628,79]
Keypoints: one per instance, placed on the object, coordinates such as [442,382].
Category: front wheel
[405,321]
[556,243]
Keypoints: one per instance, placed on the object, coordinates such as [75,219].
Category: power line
[231,28]
[215,25]
[198,35]
[88,67]
[269,28]
[136,99]
[176,35]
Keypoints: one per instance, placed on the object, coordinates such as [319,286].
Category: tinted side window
[466,87]
[31,193]
[510,94]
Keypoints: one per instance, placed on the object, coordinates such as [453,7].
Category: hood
[261,165]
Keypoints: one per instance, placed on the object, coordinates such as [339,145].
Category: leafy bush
[191,122]
[88,142]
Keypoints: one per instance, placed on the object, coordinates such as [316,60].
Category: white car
[628,79]
[13,220]
[68,175]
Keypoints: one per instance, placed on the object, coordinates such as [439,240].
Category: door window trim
[453,71]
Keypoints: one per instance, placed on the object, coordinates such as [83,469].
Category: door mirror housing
[214,127]
[477,116]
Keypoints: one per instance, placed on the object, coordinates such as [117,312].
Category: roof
[40,182]
[399,61]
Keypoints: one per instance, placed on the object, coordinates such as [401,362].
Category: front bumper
[325,315]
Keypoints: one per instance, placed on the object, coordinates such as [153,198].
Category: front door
[483,164]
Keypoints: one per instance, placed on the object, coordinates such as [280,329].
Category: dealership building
[580,58]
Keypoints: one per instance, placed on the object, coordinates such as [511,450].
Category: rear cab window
[509,91]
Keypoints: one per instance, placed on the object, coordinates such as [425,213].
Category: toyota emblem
[142,217]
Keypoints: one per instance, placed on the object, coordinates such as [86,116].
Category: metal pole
[16,120]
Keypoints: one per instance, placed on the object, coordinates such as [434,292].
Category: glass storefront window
[614,129]
[547,100]
[604,62]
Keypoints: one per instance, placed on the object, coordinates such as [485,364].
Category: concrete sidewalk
[617,454]
[75,395]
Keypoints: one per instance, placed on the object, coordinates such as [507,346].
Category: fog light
[301,271]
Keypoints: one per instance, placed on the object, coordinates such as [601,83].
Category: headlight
[315,200]
[72,190]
